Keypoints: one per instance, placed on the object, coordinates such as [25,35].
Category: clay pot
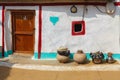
[62,59]
[97,57]
[63,54]
[97,61]
[110,58]
[80,57]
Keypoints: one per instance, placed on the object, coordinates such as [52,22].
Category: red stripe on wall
[3,11]
[117,3]
[40,32]
[54,4]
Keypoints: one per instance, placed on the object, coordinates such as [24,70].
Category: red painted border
[56,4]
[40,32]
[3,13]
[117,3]
[83,28]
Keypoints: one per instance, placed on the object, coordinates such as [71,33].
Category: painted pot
[63,54]
[62,59]
[97,57]
[80,57]
[110,59]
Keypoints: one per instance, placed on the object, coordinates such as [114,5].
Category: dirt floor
[27,59]
[22,74]
[82,71]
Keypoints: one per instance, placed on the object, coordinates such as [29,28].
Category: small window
[78,28]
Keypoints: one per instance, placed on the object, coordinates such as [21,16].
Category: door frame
[12,25]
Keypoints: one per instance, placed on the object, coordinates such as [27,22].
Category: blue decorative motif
[52,55]
[6,53]
[54,20]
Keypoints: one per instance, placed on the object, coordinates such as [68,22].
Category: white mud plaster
[102,30]
[109,67]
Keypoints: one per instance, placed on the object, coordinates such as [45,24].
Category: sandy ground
[22,74]
[23,68]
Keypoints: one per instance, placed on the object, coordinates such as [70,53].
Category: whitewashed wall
[102,30]
[117,0]
[8,36]
[0,27]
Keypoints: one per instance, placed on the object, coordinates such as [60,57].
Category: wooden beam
[48,1]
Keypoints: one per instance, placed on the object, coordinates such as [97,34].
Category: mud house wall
[101,32]
[0,30]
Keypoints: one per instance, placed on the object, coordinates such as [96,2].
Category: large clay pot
[80,57]
[63,54]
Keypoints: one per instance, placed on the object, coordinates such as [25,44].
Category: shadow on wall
[8,35]
[0,23]
[0,51]
[0,46]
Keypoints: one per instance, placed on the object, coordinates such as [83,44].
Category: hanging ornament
[110,7]
[73,9]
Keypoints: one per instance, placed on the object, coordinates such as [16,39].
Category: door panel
[24,42]
[26,21]
[23,31]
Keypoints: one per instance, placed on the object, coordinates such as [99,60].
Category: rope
[99,9]
[84,10]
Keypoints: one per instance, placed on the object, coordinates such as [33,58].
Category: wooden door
[23,27]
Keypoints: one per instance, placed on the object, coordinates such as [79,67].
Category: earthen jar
[62,59]
[110,58]
[97,57]
[80,57]
[63,54]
